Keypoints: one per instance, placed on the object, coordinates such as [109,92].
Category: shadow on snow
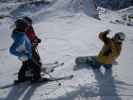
[105,88]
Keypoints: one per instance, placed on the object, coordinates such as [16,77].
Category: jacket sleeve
[104,38]
[22,47]
[13,48]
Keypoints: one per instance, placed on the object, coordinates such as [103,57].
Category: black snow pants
[33,65]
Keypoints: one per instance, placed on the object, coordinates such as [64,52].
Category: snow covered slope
[47,8]
[123,16]
[65,36]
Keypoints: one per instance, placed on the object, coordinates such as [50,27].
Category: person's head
[21,25]
[28,20]
[119,37]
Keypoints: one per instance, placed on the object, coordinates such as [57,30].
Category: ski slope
[66,35]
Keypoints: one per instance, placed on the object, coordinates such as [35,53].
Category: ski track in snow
[65,36]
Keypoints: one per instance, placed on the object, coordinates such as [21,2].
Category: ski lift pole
[81,5]
[95,14]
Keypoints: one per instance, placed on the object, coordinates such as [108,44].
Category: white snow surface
[66,35]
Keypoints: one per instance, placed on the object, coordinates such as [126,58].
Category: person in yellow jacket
[110,50]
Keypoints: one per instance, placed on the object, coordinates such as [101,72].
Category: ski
[41,81]
[50,64]
[49,69]
[54,79]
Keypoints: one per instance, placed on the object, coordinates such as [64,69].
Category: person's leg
[36,70]
[21,73]
[95,64]
[36,56]
[107,66]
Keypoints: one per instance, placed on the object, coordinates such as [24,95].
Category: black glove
[37,40]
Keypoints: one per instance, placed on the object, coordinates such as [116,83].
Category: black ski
[42,81]
[48,67]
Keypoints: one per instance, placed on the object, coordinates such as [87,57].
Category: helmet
[27,19]
[20,24]
[120,36]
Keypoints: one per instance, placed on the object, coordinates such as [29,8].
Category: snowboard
[89,60]
[41,81]
[85,60]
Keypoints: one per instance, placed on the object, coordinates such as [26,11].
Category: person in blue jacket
[22,48]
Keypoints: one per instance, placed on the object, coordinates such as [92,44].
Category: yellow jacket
[110,51]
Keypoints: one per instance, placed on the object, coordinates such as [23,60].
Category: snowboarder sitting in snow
[34,40]
[109,53]
[22,48]
[110,50]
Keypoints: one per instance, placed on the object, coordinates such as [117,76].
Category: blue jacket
[21,46]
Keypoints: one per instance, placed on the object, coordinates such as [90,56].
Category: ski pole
[53,78]
[37,51]
[46,72]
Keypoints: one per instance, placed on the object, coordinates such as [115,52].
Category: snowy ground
[117,17]
[65,36]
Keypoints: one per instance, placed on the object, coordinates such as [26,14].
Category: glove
[34,44]
[23,58]
[37,40]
